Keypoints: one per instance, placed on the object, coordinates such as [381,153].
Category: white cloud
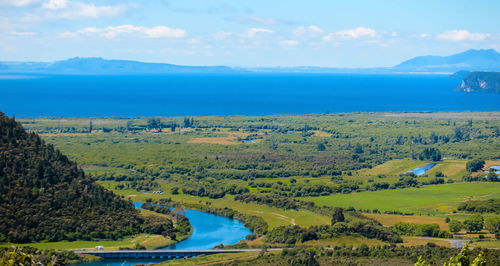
[307,32]
[425,35]
[17,3]
[359,32]
[289,43]
[153,32]
[254,31]
[83,10]
[163,32]
[462,35]
[63,9]
[68,35]
[55,4]
[253,20]
[17,33]
[221,35]
[193,41]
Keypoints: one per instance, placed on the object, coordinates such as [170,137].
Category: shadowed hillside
[45,196]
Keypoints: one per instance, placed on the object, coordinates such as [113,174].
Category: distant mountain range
[97,65]
[471,60]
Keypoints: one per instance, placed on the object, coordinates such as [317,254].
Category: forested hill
[481,82]
[45,196]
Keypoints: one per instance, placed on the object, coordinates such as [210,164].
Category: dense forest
[45,196]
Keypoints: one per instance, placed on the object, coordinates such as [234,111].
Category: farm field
[391,219]
[429,200]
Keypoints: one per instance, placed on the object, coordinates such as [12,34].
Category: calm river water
[209,230]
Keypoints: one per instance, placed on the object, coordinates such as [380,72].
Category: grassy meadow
[429,200]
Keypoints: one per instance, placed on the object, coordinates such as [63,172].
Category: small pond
[422,169]
[496,168]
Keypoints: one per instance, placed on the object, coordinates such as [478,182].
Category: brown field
[323,134]
[226,138]
[409,241]
[488,164]
[215,140]
[389,219]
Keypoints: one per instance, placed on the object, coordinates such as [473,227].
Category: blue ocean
[233,94]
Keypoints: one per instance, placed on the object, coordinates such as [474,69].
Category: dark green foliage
[182,227]
[434,181]
[406,180]
[466,133]
[156,208]
[158,225]
[188,122]
[474,165]
[430,154]
[296,234]
[201,191]
[45,196]
[338,215]
[482,206]
[285,234]
[474,223]
[455,226]
[492,176]
[162,225]
[492,224]
[321,147]
[300,257]
[31,256]
[275,201]
[430,230]
[154,123]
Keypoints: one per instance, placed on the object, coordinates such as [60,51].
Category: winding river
[209,230]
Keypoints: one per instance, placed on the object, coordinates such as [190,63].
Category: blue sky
[354,33]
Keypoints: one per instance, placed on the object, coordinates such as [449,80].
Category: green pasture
[434,200]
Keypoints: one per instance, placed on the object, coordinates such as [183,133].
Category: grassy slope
[393,167]
[437,199]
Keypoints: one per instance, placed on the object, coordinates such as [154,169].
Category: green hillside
[45,196]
